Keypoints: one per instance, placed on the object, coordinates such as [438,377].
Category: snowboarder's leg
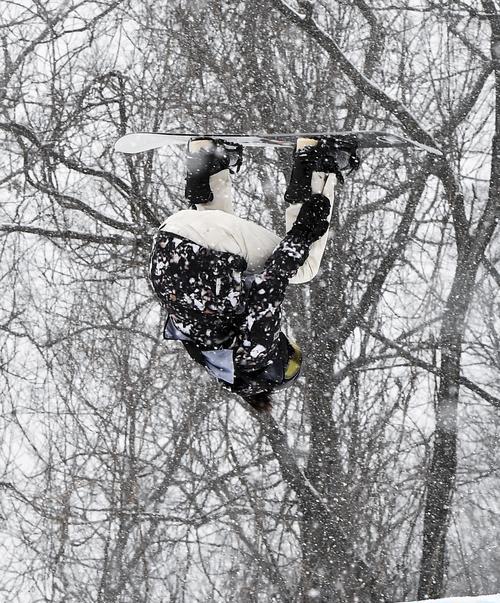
[208,181]
[305,182]
[208,187]
[311,266]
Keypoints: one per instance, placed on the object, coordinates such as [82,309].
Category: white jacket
[215,226]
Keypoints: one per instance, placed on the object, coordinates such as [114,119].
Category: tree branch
[408,121]
[430,367]
[309,497]
[126,190]
[374,289]
[78,236]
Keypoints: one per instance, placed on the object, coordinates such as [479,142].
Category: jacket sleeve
[262,322]
[288,256]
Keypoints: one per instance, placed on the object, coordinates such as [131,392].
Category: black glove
[312,221]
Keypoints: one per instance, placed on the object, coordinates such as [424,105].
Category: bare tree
[127,476]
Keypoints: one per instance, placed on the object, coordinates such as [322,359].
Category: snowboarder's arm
[264,299]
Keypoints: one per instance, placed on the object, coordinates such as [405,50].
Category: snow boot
[206,157]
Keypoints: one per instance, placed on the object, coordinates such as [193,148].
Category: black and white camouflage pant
[216,304]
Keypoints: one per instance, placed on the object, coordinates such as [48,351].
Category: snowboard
[362,139]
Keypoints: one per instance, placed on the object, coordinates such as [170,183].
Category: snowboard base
[362,139]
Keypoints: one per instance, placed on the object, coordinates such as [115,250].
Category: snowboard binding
[336,156]
[207,157]
[225,151]
[329,155]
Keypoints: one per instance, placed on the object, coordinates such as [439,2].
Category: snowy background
[127,476]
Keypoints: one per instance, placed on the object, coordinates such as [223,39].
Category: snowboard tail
[362,139]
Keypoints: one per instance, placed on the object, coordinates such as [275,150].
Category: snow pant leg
[325,184]
[221,187]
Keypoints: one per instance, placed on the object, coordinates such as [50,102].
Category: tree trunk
[471,247]
[442,473]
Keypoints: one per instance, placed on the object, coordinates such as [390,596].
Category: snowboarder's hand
[312,221]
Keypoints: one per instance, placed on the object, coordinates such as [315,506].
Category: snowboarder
[223,279]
